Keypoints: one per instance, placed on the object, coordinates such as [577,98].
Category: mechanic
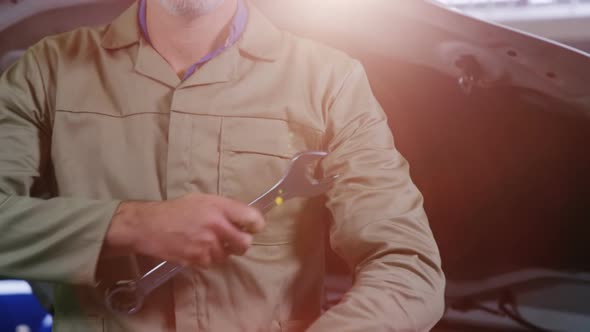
[137,142]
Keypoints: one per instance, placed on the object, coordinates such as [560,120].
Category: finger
[217,251]
[234,241]
[195,256]
[204,260]
[245,217]
[241,246]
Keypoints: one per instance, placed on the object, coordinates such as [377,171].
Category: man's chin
[191,7]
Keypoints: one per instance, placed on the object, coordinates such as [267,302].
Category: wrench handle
[128,297]
[165,271]
[268,200]
[157,276]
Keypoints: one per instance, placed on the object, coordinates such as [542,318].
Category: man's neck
[182,40]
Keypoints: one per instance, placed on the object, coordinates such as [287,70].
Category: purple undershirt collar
[238,26]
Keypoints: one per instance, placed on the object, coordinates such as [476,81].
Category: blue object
[46,324]
[19,309]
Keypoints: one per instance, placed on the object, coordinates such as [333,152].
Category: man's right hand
[196,229]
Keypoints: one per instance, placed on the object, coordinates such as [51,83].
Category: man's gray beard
[191,7]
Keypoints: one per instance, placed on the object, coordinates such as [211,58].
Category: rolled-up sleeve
[380,227]
[53,239]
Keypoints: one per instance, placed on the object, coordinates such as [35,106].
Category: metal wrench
[127,296]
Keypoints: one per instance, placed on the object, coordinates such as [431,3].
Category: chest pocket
[255,153]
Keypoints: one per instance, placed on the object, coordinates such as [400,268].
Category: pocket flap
[268,136]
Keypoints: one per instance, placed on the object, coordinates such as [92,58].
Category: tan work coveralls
[96,116]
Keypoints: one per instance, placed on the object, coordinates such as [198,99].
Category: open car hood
[429,35]
[494,122]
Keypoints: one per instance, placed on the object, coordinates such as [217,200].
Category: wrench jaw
[124,298]
[302,166]
[299,181]
[321,186]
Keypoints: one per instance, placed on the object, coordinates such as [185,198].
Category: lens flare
[278,200]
